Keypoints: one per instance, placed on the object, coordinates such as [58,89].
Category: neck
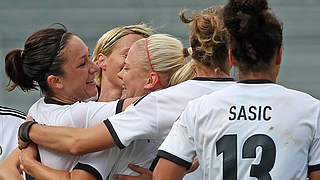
[109,92]
[64,99]
[255,76]
[210,72]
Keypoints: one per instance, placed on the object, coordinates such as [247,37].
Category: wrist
[24,129]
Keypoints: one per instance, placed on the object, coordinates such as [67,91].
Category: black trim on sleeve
[175,159]
[89,169]
[11,110]
[154,163]
[313,168]
[13,114]
[119,106]
[113,134]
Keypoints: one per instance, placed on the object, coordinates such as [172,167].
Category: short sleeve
[87,114]
[179,146]
[314,152]
[138,121]
[99,164]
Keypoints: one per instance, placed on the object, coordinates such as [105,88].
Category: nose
[120,74]
[94,67]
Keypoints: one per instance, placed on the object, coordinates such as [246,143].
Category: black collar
[212,79]
[256,81]
[52,101]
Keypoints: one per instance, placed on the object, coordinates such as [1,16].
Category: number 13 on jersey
[227,146]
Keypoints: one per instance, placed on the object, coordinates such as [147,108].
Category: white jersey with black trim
[152,116]
[77,115]
[10,121]
[254,129]
[150,119]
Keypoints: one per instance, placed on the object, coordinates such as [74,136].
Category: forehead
[135,54]
[127,41]
[75,47]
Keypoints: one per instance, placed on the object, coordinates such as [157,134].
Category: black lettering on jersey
[265,113]
[251,113]
[242,114]
[0,150]
[231,111]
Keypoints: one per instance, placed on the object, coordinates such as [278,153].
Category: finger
[29,118]
[139,169]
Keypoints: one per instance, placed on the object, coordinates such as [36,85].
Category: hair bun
[251,7]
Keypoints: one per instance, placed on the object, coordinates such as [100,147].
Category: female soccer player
[109,54]
[254,129]
[152,116]
[140,76]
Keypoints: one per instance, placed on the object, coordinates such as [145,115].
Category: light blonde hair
[166,55]
[108,42]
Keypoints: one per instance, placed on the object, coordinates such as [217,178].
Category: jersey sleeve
[314,152]
[179,146]
[99,164]
[87,114]
[138,121]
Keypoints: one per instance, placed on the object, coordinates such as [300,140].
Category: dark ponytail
[14,70]
[255,33]
[42,56]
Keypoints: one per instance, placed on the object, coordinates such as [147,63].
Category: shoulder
[11,114]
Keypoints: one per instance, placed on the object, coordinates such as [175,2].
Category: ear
[152,81]
[279,56]
[54,82]
[231,58]
[102,61]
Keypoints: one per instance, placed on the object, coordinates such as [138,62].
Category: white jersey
[10,121]
[151,117]
[77,115]
[254,129]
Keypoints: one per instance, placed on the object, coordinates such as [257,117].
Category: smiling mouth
[91,82]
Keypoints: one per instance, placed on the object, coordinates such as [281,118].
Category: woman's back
[282,132]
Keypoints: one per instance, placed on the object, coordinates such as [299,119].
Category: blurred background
[90,19]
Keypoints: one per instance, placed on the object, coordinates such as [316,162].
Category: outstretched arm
[37,170]
[69,140]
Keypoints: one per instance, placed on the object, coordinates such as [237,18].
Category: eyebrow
[84,56]
[125,50]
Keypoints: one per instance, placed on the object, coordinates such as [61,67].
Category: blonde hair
[165,53]
[208,39]
[109,41]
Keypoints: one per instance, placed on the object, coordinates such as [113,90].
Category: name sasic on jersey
[251,113]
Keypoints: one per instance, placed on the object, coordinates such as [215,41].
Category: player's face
[115,61]
[134,77]
[79,71]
